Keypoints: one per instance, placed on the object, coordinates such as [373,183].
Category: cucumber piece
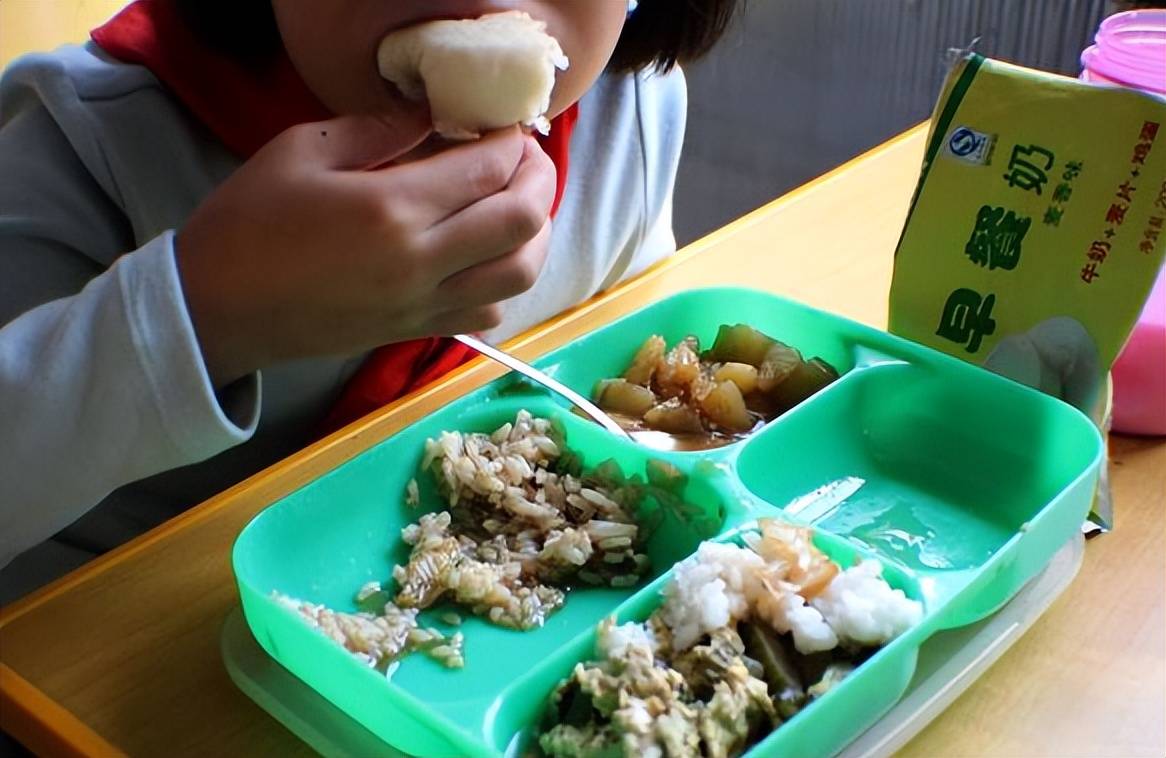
[781,674]
[739,343]
[807,378]
[780,361]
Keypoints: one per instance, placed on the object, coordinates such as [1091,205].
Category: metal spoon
[514,364]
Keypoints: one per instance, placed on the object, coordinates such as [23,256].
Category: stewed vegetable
[744,380]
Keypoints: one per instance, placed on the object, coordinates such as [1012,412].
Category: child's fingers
[500,278]
[453,179]
[361,142]
[501,222]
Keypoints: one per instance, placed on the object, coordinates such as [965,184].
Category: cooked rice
[863,609]
[379,640]
[373,639]
[518,524]
[368,590]
[683,682]
[522,524]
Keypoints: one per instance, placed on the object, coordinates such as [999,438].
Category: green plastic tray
[972,484]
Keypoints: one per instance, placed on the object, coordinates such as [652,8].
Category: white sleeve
[104,388]
[102,381]
[662,111]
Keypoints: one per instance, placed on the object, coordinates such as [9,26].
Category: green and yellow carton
[1036,230]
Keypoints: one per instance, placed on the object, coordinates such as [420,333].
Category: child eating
[223,231]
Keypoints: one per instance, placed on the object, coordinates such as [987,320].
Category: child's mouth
[454,10]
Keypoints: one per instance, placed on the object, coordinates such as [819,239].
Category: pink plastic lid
[1130,50]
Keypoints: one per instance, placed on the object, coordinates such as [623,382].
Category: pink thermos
[1130,50]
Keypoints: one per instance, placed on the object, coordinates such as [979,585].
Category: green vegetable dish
[707,399]
[747,635]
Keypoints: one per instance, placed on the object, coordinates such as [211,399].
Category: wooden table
[27,25]
[123,654]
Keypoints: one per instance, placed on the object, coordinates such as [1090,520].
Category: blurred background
[796,88]
[800,86]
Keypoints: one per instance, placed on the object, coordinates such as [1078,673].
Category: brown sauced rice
[522,522]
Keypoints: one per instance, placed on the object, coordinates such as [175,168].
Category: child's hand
[307,251]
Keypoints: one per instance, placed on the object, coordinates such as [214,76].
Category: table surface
[27,25]
[124,654]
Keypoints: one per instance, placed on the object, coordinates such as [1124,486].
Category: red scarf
[245,107]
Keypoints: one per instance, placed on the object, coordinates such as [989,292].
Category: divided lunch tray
[971,485]
[949,663]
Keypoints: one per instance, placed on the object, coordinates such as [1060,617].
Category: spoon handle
[534,374]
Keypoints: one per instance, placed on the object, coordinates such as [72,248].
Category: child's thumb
[366,141]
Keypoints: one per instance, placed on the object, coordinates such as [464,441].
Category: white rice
[724,583]
[862,608]
[615,641]
[708,590]
[789,613]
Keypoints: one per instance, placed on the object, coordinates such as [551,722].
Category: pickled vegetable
[704,400]
[825,367]
[740,343]
[780,361]
[725,407]
[807,378]
[664,475]
[621,396]
[741,374]
[647,358]
[679,370]
[674,417]
[831,678]
[780,673]
[572,706]
[693,343]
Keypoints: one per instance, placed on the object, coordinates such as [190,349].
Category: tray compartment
[955,463]
[864,696]
[324,541]
[607,352]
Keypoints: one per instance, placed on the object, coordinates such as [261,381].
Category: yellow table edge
[43,723]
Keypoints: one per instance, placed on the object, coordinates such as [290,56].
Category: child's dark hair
[659,34]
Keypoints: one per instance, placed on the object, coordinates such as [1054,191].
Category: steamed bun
[477,74]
